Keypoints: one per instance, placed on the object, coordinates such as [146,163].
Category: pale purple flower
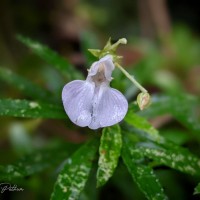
[93,102]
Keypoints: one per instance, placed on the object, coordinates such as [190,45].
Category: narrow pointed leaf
[170,154]
[52,58]
[72,179]
[30,109]
[30,89]
[142,124]
[142,174]
[182,161]
[109,151]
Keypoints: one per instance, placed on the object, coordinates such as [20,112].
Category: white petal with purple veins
[110,108]
[77,97]
[92,102]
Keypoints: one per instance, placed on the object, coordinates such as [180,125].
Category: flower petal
[77,100]
[108,64]
[109,109]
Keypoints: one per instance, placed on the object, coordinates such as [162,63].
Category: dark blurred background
[60,23]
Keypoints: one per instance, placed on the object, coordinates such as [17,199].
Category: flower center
[99,77]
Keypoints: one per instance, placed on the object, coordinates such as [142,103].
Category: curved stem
[132,79]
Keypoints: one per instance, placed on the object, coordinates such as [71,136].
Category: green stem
[132,79]
[120,41]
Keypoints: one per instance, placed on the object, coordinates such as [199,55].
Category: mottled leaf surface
[167,152]
[72,178]
[109,152]
[142,174]
[183,161]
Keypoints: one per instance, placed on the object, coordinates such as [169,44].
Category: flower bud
[143,100]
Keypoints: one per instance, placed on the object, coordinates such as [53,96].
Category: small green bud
[143,100]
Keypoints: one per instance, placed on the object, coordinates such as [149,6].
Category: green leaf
[142,174]
[73,177]
[36,162]
[184,108]
[140,126]
[31,109]
[180,160]
[197,189]
[109,151]
[175,135]
[143,125]
[52,58]
[27,87]
[90,191]
[171,154]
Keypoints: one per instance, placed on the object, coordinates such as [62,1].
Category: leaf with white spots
[52,58]
[72,178]
[197,189]
[180,160]
[28,88]
[109,150]
[30,109]
[142,174]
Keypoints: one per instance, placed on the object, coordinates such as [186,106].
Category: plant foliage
[135,141]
